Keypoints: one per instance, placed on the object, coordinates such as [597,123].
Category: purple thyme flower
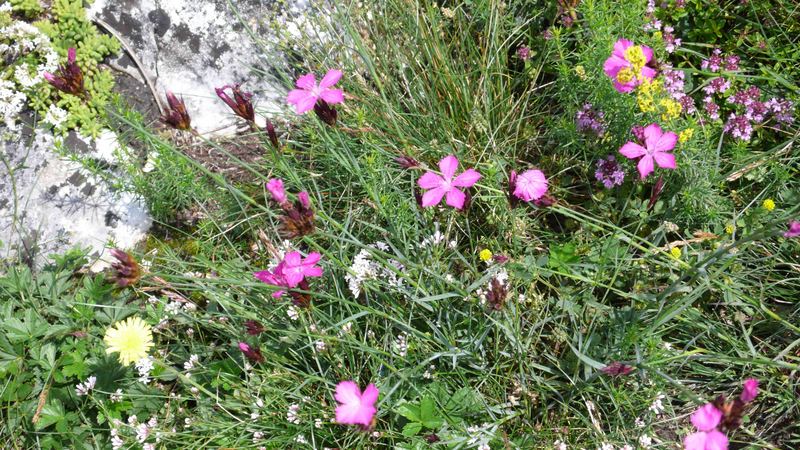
[732,62]
[756,111]
[590,120]
[714,62]
[739,127]
[711,108]
[609,172]
[523,52]
[718,84]
[670,41]
[687,104]
[673,82]
[782,110]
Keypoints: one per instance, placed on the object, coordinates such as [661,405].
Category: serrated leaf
[409,411]
[411,429]
[427,413]
[52,412]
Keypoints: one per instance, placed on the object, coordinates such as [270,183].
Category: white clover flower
[82,389]
[319,345]
[144,366]
[190,364]
[291,415]
[645,441]
[116,397]
[559,445]
[293,312]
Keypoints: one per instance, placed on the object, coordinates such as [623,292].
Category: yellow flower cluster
[769,204]
[675,252]
[671,109]
[625,75]
[485,255]
[646,94]
[685,135]
[635,55]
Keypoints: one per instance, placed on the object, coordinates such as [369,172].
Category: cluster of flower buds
[298,218]
[253,327]
[616,369]
[176,116]
[126,269]
[69,78]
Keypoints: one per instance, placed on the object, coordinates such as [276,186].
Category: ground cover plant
[477,225]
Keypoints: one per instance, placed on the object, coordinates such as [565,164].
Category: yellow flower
[685,135]
[131,338]
[769,204]
[646,103]
[635,55]
[485,255]
[657,35]
[672,109]
[729,228]
[625,75]
[581,72]
[675,252]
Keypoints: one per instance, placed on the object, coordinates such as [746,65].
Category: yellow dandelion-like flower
[729,228]
[675,252]
[485,255]
[685,135]
[131,338]
[769,204]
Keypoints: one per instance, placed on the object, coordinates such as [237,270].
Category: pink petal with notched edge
[467,178]
[332,96]
[312,258]
[306,82]
[430,180]
[531,185]
[706,417]
[632,150]
[624,88]
[652,133]
[456,198]
[695,441]
[432,197]
[620,46]
[448,165]
[330,78]
[716,440]
[648,53]
[666,142]
[665,160]
[370,395]
[292,259]
[645,166]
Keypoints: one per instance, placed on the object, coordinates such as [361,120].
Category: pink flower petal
[648,72]
[648,53]
[666,142]
[645,166]
[632,150]
[456,198]
[664,160]
[695,441]
[531,185]
[620,46]
[295,95]
[467,178]
[706,418]
[448,165]
[306,104]
[314,271]
[292,259]
[332,96]
[332,77]
[716,440]
[750,390]
[432,197]
[625,88]
[652,133]
[430,180]
[312,258]
[307,82]
[370,395]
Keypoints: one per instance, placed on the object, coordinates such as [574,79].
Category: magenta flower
[253,354]
[355,407]
[750,390]
[241,103]
[712,440]
[275,188]
[627,65]
[446,184]
[794,229]
[309,91]
[274,277]
[296,268]
[69,77]
[657,147]
[529,185]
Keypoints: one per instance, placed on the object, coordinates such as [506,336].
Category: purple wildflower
[674,82]
[732,62]
[687,104]
[590,120]
[523,52]
[756,111]
[714,62]
[782,110]
[718,84]
[670,41]
[739,127]
[609,172]
[711,108]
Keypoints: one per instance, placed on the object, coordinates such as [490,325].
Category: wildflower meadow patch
[507,225]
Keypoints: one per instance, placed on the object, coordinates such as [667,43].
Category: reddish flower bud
[406,162]
[177,117]
[273,137]
[69,78]
[240,104]
[656,192]
[326,112]
[126,269]
[545,201]
[616,368]
[253,354]
[253,327]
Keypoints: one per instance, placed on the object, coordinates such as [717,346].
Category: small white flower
[293,312]
[144,366]
[194,390]
[116,397]
[626,447]
[657,407]
[318,423]
[257,435]
[82,389]
[148,446]
[142,432]
[645,441]
[606,446]
[300,439]
[189,365]
[639,422]
[320,346]
[291,415]
[559,445]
